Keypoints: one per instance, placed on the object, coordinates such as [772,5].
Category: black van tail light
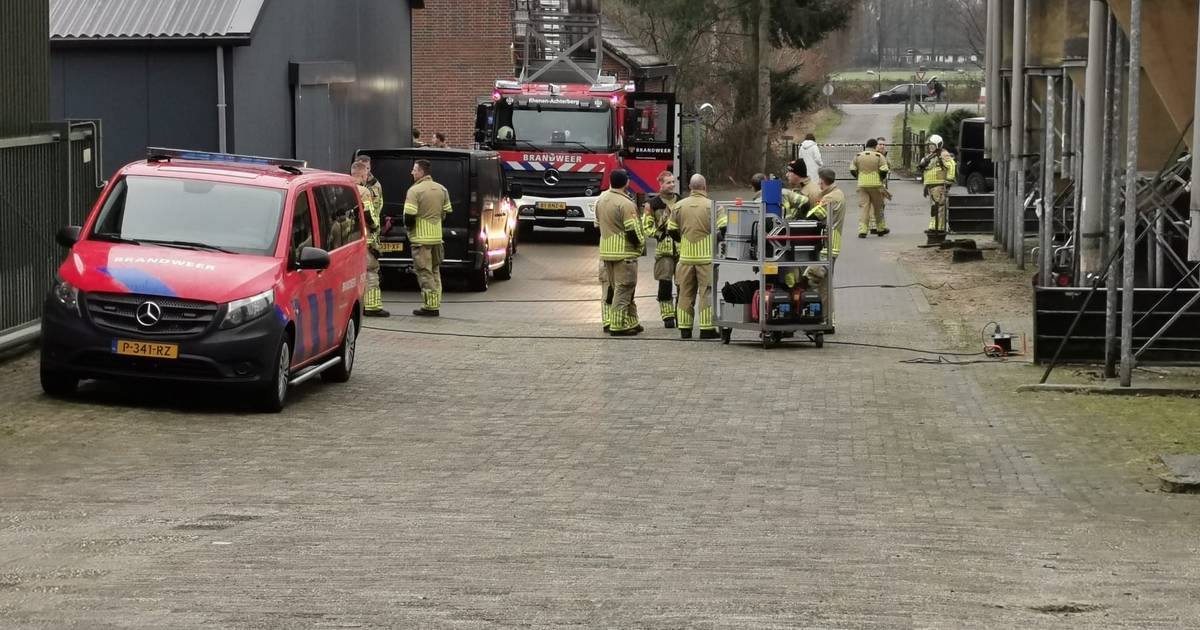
[476,209]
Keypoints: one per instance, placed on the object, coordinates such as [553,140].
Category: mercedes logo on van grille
[148,314]
[552,177]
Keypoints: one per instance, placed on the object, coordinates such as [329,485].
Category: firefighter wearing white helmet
[940,171]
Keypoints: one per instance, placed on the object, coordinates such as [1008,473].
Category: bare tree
[970,17]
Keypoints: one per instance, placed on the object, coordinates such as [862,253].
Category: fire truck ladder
[559,40]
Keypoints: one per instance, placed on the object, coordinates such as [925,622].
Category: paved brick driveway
[587,483]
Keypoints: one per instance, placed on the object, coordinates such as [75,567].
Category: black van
[975,171]
[479,235]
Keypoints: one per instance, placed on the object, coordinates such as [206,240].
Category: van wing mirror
[313,258]
[515,191]
[68,236]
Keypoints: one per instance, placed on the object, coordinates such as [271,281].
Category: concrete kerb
[1111,390]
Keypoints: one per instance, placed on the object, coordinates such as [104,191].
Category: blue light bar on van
[155,154]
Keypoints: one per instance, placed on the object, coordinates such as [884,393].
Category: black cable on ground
[653,296]
[917,350]
[941,360]
[433,333]
[944,285]
[531,301]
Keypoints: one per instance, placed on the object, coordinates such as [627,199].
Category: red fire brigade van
[210,268]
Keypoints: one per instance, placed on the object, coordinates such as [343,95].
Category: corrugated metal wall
[25,77]
[375,110]
[168,96]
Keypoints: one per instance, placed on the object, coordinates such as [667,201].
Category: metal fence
[47,180]
[839,156]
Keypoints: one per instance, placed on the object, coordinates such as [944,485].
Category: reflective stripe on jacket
[692,218]
[429,202]
[940,169]
[615,215]
[869,165]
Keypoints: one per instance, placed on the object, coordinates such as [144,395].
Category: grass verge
[917,121]
[823,122]
[1119,433]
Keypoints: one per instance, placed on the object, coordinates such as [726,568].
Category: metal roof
[629,51]
[118,20]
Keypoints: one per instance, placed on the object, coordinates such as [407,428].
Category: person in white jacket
[811,154]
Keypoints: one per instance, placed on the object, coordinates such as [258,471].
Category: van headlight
[239,312]
[66,294]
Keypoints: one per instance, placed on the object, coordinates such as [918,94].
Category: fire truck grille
[534,183]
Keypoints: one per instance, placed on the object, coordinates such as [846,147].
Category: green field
[900,76]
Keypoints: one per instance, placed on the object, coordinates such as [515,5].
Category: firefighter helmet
[935,140]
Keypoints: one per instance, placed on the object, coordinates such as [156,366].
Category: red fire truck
[560,142]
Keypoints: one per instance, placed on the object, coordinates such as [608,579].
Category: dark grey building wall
[374,110]
[144,96]
[25,64]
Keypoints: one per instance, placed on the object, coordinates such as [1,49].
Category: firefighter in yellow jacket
[373,295]
[424,207]
[795,204]
[831,209]
[871,169]
[374,188]
[666,252]
[939,172]
[691,225]
[801,181]
[621,243]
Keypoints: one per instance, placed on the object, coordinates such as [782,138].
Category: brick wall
[460,49]
[612,67]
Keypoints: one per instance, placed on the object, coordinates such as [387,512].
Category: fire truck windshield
[552,129]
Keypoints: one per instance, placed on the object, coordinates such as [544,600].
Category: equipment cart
[759,269]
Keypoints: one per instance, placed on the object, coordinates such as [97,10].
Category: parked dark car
[975,171]
[900,93]
[479,235]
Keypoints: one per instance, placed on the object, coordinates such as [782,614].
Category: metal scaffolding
[1070,153]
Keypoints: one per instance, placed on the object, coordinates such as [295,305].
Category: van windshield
[193,214]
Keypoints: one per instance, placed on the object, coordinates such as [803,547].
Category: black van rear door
[393,169]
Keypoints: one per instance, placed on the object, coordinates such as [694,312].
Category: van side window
[338,215]
[302,228]
[489,179]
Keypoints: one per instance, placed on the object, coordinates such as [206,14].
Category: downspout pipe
[1092,215]
[1194,233]
[222,118]
[1016,149]
[990,61]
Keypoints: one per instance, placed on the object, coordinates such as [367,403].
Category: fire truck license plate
[551,205]
[144,349]
[391,247]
